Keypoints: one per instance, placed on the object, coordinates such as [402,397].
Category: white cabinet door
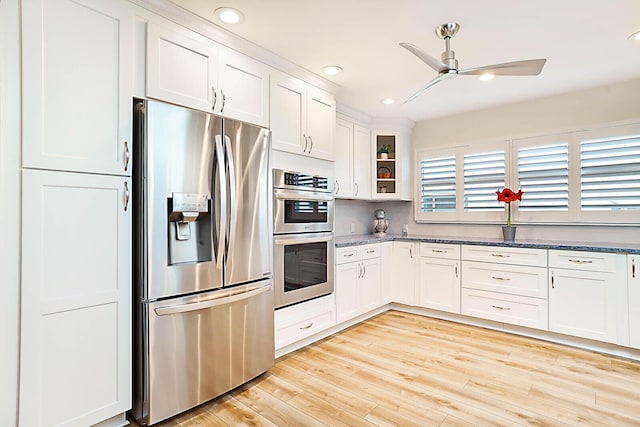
[347,276]
[288,106]
[181,67]
[343,164]
[633,275]
[386,273]
[583,304]
[439,284]
[362,161]
[369,285]
[403,272]
[77,85]
[76,298]
[244,87]
[321,122]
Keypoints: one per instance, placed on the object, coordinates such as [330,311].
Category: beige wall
[611,103]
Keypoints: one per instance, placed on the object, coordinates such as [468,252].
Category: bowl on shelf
[384,172]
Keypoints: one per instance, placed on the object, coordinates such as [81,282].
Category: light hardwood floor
[409,370]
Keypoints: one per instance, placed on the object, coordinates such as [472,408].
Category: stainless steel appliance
[303,241]
[203,283]
[380,222]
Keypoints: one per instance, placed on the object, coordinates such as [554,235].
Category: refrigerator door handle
[233,209]
[223,201]
[215,302]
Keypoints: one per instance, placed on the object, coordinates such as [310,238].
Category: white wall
[612,103]
[10,209]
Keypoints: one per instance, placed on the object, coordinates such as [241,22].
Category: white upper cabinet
[187,69]
[302,117]
[352,161]
[392,167]
[76,85]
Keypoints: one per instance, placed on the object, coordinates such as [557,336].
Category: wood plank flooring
[400,369]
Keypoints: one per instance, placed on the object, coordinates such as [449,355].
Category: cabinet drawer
[586,261]
[349,254]
[501,255]
[510,279]
[512,309]
[302,320]
[440,250]
[357,253]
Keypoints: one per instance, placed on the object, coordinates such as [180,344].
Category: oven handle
[298,239]
[281,194]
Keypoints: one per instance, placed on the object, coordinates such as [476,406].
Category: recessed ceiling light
[486,76]
[331,70]
[635,36]
[388,101]
[229,15]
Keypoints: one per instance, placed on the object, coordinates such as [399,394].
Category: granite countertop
[353,240]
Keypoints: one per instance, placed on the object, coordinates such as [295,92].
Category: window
[610,174]
[585,176]
[483,176]
[438,184]
[543,175]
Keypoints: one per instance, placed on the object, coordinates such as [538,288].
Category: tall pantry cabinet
[76,216]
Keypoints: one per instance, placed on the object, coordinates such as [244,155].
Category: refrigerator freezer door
[249,243]
[200,347]
[178,155]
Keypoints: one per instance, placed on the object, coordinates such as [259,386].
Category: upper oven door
[297,211]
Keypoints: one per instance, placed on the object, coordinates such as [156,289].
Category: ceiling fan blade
[433,82]
[531,67]
[425,57]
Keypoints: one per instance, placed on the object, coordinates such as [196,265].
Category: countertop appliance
[203,283]
[380,222]
[303,240]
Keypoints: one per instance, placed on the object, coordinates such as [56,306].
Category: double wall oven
[303,242]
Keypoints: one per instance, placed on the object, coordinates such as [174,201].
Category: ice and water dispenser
[189,227]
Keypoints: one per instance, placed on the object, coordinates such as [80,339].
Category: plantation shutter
[438,182]
[543,176]
[610,174]
[484,174]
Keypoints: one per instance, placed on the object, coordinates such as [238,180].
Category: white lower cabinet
[506,285]
[438,284]
[75,365]
[589,298]
[302,320]
[403,277]
[386,273]
[357,281]
[633,285]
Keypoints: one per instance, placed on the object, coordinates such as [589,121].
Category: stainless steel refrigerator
[203,283]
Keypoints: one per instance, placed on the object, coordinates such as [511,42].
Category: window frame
[573,216]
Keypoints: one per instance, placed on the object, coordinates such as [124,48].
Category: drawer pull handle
[501,256]
[306,327]
[438,251]
[351,254]
[500,308]
[371,251]
[500,278]
[580,261]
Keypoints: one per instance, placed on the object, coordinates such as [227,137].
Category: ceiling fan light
[332,70]
[486,76]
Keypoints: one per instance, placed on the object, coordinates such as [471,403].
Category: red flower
[507,195]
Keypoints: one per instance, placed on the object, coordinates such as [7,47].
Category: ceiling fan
[447,67]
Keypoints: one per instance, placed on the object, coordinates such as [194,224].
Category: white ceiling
[585,43]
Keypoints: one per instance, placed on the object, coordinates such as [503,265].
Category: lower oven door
[303,267]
